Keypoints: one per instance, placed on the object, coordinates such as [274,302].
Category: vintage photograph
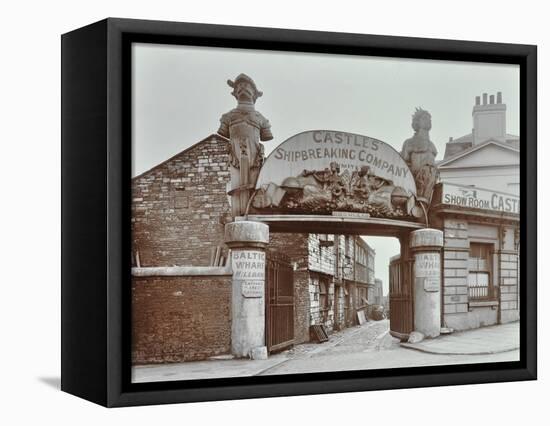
[306,212]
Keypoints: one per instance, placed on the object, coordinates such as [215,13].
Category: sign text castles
[341,147]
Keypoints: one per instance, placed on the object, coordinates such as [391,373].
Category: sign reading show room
[478,198]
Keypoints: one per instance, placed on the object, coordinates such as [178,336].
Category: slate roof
[465,142]
[509,144]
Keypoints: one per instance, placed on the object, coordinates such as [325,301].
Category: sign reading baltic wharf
[428,269]
[478,198]
[249,271]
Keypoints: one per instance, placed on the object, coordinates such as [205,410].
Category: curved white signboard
[317,149]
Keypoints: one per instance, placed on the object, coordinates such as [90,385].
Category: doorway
[279,303]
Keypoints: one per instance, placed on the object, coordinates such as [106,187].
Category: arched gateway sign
[311,177]
[326,171]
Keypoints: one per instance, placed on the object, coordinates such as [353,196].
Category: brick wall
[176,319]
[301,306]
[179,208]
[294,246]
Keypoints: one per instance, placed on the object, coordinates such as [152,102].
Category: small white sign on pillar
[249,271]
[428,268]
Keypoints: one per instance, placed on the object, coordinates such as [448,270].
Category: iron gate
[401,298]
[279,302]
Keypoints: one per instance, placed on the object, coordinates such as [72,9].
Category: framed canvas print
[254,212]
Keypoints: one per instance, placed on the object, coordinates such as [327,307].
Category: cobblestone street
[371,347]
[355,339]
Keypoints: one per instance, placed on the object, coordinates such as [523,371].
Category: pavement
[210,369]
[481,341]
[223,367]
[365,347]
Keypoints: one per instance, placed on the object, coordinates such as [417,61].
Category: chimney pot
[485,99]
[450,138]
[492,99]
[499,97]
[478,100]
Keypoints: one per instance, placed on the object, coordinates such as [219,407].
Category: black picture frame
[96,210]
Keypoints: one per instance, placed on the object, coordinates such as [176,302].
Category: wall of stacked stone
[509,278]
[346,257]
[321,259]
[180,207]
[354,303]
[177,319]
[364,261]
[314,300]
[455,267]
[339,315]
[329,322]
[317,314]
[460,312]
[361,273]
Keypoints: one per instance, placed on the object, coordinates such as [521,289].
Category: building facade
[488,154]
[378,292]
[477,207]
[480,259]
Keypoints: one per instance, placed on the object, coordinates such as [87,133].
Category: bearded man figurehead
[244,89]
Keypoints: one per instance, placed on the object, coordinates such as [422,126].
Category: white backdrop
[30,243]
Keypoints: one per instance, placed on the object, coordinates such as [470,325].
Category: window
[479,272]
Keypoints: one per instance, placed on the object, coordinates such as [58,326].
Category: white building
[488,157]
[378,292]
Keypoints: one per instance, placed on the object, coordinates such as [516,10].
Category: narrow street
[357,348]
[371,347]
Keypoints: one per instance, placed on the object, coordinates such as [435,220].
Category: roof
[186,150]
[465,142]
[466,152]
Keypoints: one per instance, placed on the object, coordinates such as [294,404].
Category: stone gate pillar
[426,246]
[247,241]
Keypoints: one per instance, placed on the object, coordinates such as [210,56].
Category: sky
[180,92]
